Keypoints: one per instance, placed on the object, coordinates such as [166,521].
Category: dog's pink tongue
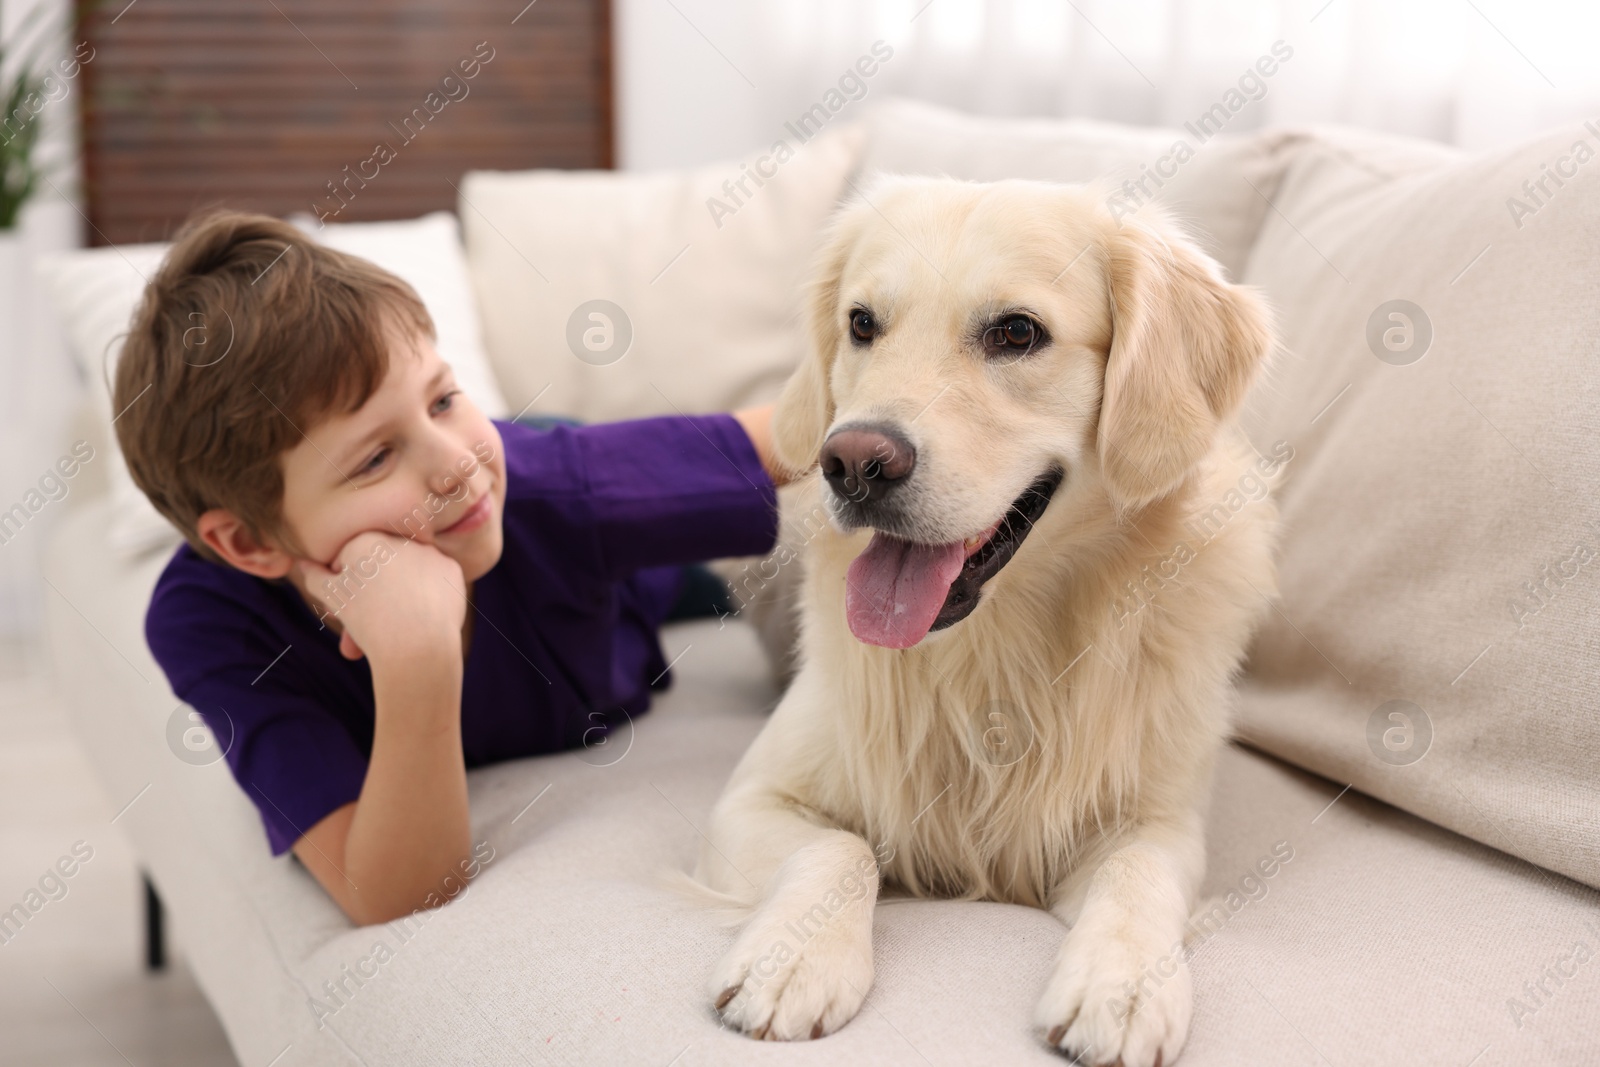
[896,588]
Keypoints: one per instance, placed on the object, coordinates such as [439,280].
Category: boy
[382,587]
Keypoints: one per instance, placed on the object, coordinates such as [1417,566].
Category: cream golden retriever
[1016,651]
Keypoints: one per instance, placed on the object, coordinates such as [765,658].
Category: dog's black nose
[864,463]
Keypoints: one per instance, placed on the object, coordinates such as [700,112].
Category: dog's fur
[879,765]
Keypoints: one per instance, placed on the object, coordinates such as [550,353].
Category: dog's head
[974,346]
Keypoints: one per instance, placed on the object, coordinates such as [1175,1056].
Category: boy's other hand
[396,600]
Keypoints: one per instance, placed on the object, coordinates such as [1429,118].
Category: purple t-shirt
[598,522]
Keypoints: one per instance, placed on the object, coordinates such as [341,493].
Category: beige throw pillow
[1438,643]
[607,295]
[1218,183]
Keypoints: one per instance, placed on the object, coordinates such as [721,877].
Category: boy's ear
[227,535]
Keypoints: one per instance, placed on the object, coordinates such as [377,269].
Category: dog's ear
[805,408]
[1185,346]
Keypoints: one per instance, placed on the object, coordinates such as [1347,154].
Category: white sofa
[1452,921]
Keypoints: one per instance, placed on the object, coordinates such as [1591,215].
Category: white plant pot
[12,249]
[16,325]
[17,560]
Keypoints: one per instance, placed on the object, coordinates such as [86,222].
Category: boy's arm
[757,423]
[385,855]
[653,492]
[388,853]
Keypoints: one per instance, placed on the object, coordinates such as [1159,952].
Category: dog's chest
[984,798]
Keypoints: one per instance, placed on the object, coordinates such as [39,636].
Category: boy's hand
[401,603]
[757,424]
[398,600]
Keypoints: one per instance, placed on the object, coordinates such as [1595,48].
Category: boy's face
[417,460]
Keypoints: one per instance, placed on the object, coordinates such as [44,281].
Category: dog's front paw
[1112,1000]
[796,973]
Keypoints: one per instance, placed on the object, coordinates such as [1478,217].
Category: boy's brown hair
[248,334]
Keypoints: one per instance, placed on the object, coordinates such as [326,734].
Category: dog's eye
[863,327]
[1014,335]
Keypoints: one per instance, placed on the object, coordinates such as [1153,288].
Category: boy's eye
[444,403]
[375,462]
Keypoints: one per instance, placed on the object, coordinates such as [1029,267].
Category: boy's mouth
[473,517]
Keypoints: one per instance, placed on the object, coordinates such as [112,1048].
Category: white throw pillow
[96,290]
[611,295]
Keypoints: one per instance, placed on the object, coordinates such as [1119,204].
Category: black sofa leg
[155,933]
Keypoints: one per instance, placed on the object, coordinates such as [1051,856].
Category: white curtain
[707,77]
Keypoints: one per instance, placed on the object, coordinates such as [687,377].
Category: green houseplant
[22,89]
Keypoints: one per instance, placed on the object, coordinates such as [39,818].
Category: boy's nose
[455,483]
[455,470]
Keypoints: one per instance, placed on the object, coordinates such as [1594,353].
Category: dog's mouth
[897,591]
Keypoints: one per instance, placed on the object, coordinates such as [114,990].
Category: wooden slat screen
[261,104]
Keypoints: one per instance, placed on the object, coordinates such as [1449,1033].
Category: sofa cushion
[1437,636]
[610,295]
[1218,186]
